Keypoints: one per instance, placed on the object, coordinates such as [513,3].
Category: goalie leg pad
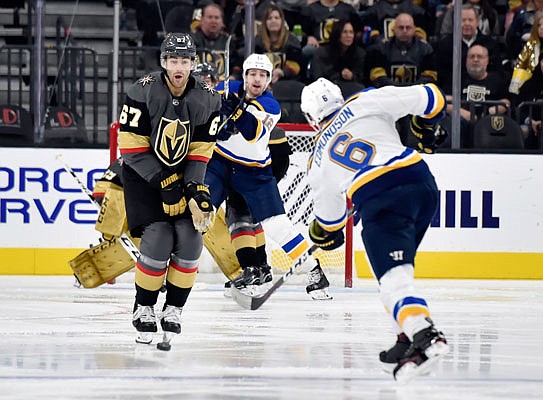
[111,220]
[101,263]
[219,244]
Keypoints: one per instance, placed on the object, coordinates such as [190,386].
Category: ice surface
[60,342]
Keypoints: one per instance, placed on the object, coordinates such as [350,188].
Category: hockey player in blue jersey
[359,153]
[240,170]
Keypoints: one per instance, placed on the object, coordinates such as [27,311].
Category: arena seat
[497,132]
[16,127]
[289,93]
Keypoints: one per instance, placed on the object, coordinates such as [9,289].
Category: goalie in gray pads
[359,153]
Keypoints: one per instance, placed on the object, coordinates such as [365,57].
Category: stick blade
[242,299]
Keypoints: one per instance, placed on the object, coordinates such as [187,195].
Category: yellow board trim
[36,261]
[449,265]
[441,265]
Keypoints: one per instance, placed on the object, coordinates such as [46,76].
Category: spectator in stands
[519,31]
[317,21]
[281,46]
[527,82]
[381,15]
[489,23]
[340,60]
[235,21]
[292,10]
[478,86]
[210,38]
[403,59]
[528,58]
[470,37]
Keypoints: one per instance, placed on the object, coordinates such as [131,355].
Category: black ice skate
[144,321]
[266,277]
[249,281]
[392,356]
[428,346]
[317,284]
[170,321]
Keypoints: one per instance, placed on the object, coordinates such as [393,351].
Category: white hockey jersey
[359,153]
[250,147]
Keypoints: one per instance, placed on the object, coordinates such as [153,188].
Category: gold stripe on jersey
[278,141]
[130,142]
[377,72]
[411,311]
[244,239]
[378,171]
[439,101]
[201,151]
[149,279]
[182,277]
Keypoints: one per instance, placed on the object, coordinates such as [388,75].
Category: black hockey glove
[231,105]
[425,133]
[228,130]
[171,192]
[324,239]
[199,201]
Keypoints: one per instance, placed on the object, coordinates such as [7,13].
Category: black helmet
[178,45]
[206,69]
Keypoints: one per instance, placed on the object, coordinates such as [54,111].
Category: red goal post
[297,199]
[295,191]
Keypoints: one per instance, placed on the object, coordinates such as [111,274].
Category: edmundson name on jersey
[339,120]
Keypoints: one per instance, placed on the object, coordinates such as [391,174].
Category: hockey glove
[199,201]
[425,133]
[171,192]
[231,105]
[227,130]
[324,239]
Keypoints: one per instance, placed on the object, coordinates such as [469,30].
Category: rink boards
[489,224]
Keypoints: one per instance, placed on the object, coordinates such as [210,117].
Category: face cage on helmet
[311,121]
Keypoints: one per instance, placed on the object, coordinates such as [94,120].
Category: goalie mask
[177,45]
[258,61]
[320,99]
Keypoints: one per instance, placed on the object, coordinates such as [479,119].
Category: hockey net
[295,192]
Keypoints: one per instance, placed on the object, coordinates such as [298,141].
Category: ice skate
[144,321]
[170,321]
[317,284]
[428,346]
[227,288]
[391,357]
[248,282]
[266,278]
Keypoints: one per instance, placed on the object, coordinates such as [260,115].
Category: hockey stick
[227,67]
[254,303]
[127,244]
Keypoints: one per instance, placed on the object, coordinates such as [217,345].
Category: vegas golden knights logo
[403,73]
[497,122]
[172,142]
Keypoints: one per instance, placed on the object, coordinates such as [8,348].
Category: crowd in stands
[362,43]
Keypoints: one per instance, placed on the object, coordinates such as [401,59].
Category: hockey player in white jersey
[240,169]
[358,153]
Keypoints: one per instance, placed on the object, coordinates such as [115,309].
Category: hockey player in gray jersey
[168,126]
[358,153]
